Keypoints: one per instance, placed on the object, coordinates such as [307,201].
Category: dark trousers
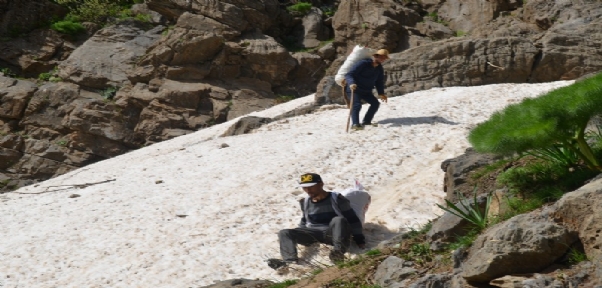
[357,106]
[338,234]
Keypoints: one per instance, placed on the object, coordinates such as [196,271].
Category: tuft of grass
[283,98]
[413,233]
[464,241]
[284,284]
[47,76]
[68,27]
[373,252]
[433,15]
[419,253]
[328,10]
[460,33]
[7,72]
[544,180]
[576,256]
[488,169]
[317,271]
[349,284]
[143,18]
[109,93]
[301,8]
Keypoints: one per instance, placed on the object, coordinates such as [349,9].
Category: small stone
[74,195]
[224,145]
[158,181]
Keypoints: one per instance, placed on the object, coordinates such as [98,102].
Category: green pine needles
[556,119]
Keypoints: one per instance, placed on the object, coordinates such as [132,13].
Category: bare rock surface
[108,57]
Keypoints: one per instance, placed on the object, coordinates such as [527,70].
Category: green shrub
[464,241]
[283,98]
[300,8]
[460,33]
[97,11]
[538,182]
[68,27]
[560,116]
[143,18]
[109,93]
[328,10]
[576,256]
[7,72]
[545,180]
[413,233]
[45,76]
[434,17]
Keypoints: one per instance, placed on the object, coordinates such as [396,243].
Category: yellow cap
[383,52]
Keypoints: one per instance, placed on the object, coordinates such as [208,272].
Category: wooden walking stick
[344,83]
[350,109]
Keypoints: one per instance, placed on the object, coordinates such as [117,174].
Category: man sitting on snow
[321,222]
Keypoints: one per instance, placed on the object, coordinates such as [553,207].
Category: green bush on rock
[558,117]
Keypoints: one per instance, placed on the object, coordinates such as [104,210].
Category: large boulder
[18,17]
[377,26]
[14,96]
[314,29]
[569,50]
[580,211]
[465,15]
[109,56]
[526,243]
[240,15]
[37,52]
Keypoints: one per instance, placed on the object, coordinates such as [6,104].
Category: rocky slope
[528,250]
[195,63]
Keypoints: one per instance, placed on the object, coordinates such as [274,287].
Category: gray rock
[392,271]
[109,56]
[433,281]
[523,244]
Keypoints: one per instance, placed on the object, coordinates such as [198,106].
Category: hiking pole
[350,108]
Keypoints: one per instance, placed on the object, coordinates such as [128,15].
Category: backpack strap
[334,196]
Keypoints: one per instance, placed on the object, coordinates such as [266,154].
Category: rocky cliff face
[197,63]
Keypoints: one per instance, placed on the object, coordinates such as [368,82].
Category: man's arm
[354,221]
[303,222]
[380,81]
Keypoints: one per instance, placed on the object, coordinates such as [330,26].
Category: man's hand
[353,86]
[383,98]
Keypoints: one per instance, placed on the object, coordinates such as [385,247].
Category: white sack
[359,199]
[358,53]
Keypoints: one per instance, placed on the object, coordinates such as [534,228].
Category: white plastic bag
[358,53]
[358,198]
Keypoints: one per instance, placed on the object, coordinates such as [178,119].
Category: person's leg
[355,108]
[289,238]
[339,234]
[374,104]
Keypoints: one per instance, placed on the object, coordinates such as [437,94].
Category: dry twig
[66,187]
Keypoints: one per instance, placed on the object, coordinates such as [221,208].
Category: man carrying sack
[364,76]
